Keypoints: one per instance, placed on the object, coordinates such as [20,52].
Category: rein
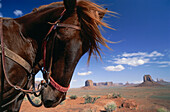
[18,59]
[9,53]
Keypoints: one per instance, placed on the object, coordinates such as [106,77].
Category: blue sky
[142,26]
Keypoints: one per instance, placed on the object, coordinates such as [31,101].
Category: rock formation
[147,78]
[89,83]
[148,81]
[161,81]
[109,83]
[127,83]
[103,84]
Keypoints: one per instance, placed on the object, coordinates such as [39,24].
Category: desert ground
[137,99]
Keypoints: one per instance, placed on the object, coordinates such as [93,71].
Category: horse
[57,35]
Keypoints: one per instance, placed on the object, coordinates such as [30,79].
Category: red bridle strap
[57,86]
[45,40]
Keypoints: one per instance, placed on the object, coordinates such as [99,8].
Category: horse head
[68,44]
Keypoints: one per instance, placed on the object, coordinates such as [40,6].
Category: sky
[143,29]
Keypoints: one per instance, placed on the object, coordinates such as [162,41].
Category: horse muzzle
[52,97]
[53,103]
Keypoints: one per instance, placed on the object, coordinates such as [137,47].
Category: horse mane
[54,4]
[89,17]
[88,13]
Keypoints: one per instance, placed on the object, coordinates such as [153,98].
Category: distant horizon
[135,82]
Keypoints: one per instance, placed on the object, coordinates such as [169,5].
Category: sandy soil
[140,96]
[78,105]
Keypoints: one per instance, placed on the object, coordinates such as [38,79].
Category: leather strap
[65,25]
[18,59]
[3,50]
[12,100]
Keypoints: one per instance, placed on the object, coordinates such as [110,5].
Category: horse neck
[35,25]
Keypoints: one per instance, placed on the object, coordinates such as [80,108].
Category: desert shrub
[109,96]
[162,110]
[94,99]
[120,106]
[73,97]
[89,99]
[39,97]
[37,101]
[32,97]
[119,95]
[114,95]
[110,107]
[98,97]
[25,98]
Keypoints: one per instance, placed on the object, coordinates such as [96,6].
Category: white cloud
[161,62]
[135,61]
[155,54]
[143,54]
[85,73]
[18,12]
[162,66]
[114,68]
[133,54]
[1,14]
[154,58]
[0,5]
[74,80]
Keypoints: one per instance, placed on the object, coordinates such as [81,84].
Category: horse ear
[34,10]
[70,5]
[101,14]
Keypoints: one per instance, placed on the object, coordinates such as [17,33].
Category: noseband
[47,72]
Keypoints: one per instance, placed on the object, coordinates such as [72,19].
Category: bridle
[46,72]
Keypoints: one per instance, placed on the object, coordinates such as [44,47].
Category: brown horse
[75,33]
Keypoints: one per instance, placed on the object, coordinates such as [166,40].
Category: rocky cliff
[148,81]
[147,78]
[90,83]
[103,84]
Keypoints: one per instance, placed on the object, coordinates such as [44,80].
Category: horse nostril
[48,103]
